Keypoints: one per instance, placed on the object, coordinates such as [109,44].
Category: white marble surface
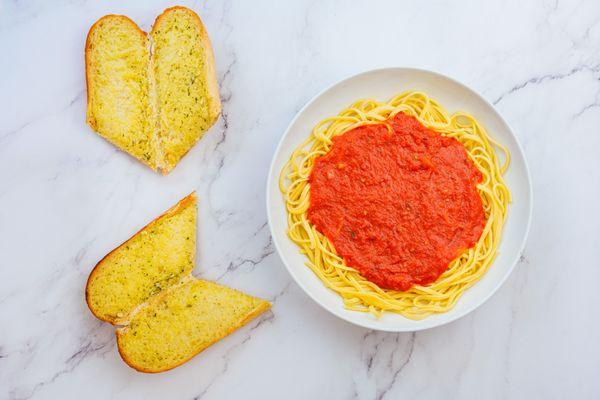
[67,197]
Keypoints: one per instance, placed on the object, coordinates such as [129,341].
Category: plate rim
[374,325]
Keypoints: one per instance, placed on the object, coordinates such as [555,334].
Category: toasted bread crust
[212,84]
[88,119]
[261,308]
[87,58]
[210,74]
[186,278]
[98,267]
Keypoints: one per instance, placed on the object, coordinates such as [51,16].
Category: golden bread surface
[153,95]
[186,86]
[156,257]
[179,323]
[166,315]
[117,54]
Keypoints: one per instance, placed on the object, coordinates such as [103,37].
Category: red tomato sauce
[398,206]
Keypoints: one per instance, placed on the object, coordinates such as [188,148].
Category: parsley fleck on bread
[151,95]
[166,316]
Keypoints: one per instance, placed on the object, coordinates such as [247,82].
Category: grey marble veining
[67,197]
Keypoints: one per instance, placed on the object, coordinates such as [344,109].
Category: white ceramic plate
[381,85]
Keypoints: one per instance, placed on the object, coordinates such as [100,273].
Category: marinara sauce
[398,204]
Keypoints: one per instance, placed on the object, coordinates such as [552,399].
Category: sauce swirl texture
[397,200]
